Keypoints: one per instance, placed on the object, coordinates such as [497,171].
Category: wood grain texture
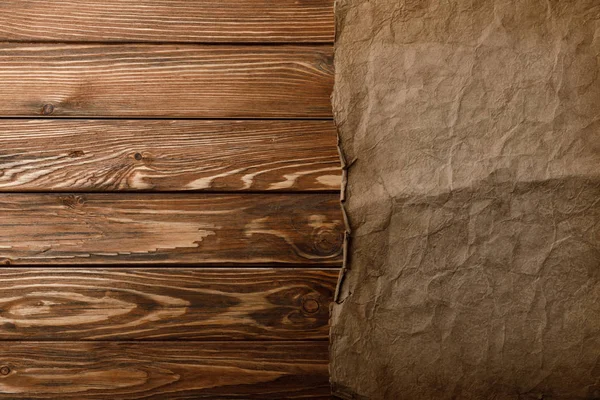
[107,155]
[194,229]
[167,20]
[161,304]
[164,370]
[165,81]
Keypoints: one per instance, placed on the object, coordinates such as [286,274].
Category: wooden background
[170,224]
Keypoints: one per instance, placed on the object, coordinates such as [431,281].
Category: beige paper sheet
[471,135]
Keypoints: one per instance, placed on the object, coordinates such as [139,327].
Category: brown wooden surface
[164,370]
[170,228]
[167,20]
[103,100]
[165,81]
[159,304]
[101,155]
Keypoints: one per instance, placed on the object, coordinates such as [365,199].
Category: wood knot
[327,241]
[76,153]
[4,370]
[326,63]
[72,201]
[310,306]
[47,109]
[9,326]
[138,156]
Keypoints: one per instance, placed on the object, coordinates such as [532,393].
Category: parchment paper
[470,131]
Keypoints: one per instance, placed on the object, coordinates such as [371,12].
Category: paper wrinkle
[470,134]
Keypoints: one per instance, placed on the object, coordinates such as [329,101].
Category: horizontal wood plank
[164,370]
[159,155]
[167,20]
[165,81]
[194,229]
[161,304]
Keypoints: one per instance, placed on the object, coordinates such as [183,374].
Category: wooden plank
[195,229]
[167,20]
[163,370]
[165,81]
[159,155]
[160,304]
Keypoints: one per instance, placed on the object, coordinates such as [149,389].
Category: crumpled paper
[470,133]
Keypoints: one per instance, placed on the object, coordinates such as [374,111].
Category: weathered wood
[165,81]
[106,155]
[163,370]
[159,304]
[167,20]
[194,229]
